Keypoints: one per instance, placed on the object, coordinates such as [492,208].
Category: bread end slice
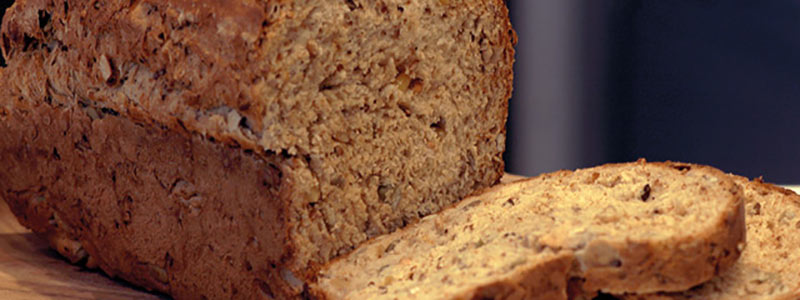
[769,267]
[683,260]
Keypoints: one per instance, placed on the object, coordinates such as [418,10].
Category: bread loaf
[635,227]
[769,268]
[225,149]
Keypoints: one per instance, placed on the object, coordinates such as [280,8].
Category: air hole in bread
[29,43]
[170,261]
[109,111]
[383,190]
[266,291]
[415,85]
[438,125]
[44,19]
[351,5]
[616,263]
[405,107]
[83,144]
[682,168]
[244,123]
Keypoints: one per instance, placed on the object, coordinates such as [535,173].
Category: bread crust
[671,264]
[295,84]
[158,208]
[212,52]
[750,277]
[675,265]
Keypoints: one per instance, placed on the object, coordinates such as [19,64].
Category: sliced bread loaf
[633,227]
[769,267]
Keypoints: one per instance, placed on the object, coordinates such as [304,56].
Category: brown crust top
[209,56]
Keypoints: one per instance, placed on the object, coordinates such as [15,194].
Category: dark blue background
[715,82]
[706,81]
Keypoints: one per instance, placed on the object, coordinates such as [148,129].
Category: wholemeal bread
[635,227]
[227,148]
[769,267]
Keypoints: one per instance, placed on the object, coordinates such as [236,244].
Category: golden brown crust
[508,40]
[159,208]
[301,84]
[206,58]
[146,60]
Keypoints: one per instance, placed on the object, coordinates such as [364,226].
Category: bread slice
[632,227]
[226,149]
[769,267]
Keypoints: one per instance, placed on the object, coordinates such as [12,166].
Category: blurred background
[706,81]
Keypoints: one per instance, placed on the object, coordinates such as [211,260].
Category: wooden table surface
[30,270]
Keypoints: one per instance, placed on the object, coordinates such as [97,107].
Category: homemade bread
[634,227]
[769,268]
[227,148]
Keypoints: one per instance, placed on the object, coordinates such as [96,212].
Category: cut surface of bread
[341,120]
[614,228]
[769,267]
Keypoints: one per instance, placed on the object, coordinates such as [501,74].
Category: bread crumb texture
[769,267]
[636,227]
[233,132]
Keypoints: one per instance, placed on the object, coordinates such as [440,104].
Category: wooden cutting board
[29,269]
